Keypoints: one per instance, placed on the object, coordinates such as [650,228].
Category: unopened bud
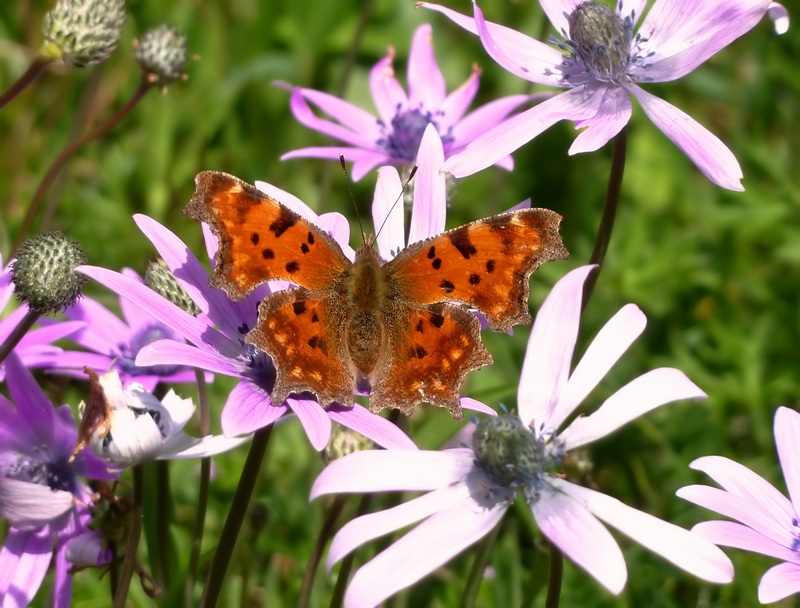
[83,32]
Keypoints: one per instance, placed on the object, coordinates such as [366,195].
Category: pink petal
[288,199]
[702,147]
[457,102]
[315,421]
[787,440]
[25,557]
[779,582]
[388,215]
[614,113]
[779,16]
[739,536]
[679,546]
[248,409]
[430,189]
[581,537]
[485,118]
[387,94]
[390,470]
[369,527]
[379,430]
[647,392]
[426,87]
[171,352]
[548,358]
[468,403]
[604,351]
[555,11]
[576,104]
[431,544]
[97,316]
[360,128]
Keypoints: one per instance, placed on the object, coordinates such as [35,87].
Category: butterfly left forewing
[430,351]
[260,239]
[485,264]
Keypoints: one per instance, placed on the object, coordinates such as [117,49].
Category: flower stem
[233,523]
[202,498]
[36,67]
[479,568]
[556,574]
[18,333]
[618,155]
[347,563]
[69,151]
[132,544]
[326,531]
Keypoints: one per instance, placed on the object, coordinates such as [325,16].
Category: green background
[716,272]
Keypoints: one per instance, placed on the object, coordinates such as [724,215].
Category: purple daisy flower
[116,343]
[394,137]
[601,62]
[767,521]
[469,489]
[35,349]
[216,337]
[40,494]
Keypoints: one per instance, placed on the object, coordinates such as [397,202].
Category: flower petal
[739,536]
[388,217]
[702,147]
[614,113]
[558,12]
[484,118]
[375,428]
[787,441]
[779,16]
[390,470]
[374,525]
[573,529]
[426,87]
[468,403]
[647,392]
[604,351]
[248,409]
[184,447]
[387,93]
[779,582]
[576,104]
[27,505]
[170,352]
[430,189]
[457,102]
[25,557]
[421,551]
[360,128]
[684,549]
[315,421]
[548,358]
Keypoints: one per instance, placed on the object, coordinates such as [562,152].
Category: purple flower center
[402,138]
[145,336]
[54,475]
[601,46]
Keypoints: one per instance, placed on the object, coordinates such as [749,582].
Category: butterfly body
[400,326]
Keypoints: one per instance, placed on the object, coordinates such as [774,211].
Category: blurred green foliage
[716,272]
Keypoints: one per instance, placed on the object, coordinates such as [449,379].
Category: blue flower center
[260,368]
[515,456]
[147,335]
[402,138]
[54,475]
[600,46]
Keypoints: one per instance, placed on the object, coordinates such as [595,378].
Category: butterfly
[401,326]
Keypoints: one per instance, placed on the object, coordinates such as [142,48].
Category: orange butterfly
[401,326]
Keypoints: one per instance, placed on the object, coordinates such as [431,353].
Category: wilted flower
[602,62]
[469,489]
[394,137]
[767,522]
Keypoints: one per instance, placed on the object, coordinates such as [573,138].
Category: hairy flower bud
[343,442]
[160,279]
[161,53]
[44,274]
[83,32]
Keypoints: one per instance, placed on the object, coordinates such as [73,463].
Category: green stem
[236,515]
[479,568]
[18,333]
[36,67]
[132,545]
[202,499]
[620,148]
[325,533]
[69,151]
[163,518]
[556,574]
[347,563]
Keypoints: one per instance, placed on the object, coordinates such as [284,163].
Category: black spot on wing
[474,279]
[310,238]
[315,318]
[292,267]
[268,254]
[490,266]
[254,238]
[460,240]
[282,224]
[417,352]
[432,252]
[299,307]
[447,286]
[437,263]
[420,326]
[436,319]
[304,248]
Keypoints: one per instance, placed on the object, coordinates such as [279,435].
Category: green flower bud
[160,279]
[83,32]
[161,53]
[44,274]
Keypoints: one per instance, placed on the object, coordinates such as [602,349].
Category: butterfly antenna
[398,199]
[352,198]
